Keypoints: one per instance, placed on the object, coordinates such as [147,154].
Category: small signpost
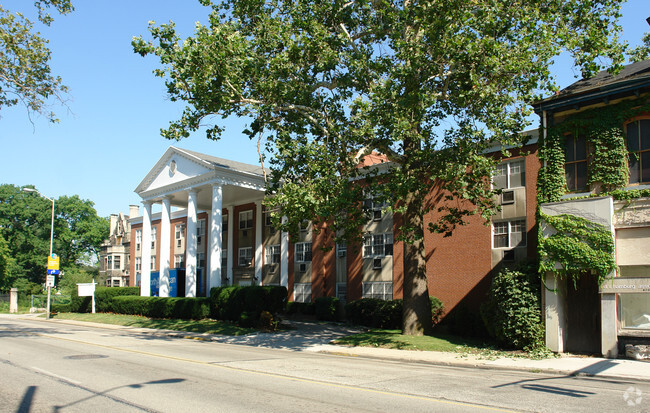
[52,271]
[87,290]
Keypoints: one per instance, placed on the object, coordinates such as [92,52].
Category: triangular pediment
[174,167]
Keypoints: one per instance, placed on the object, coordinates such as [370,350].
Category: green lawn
[395,340]
[194,326]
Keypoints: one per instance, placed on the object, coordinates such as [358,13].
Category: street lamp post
[49,288]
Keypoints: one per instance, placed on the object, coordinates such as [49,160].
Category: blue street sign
[52,272]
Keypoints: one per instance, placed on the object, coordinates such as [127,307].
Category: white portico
[200,185]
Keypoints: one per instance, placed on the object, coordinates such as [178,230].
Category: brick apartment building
[212,230]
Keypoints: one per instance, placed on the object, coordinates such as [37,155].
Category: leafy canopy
[25,75]
[325,81]
[25,226]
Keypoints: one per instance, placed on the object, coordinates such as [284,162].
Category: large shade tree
[25,74]
[428,84]
[25,226]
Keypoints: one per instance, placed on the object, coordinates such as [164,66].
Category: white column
[284,257]
[190,259]
[258,243]
[215,237]
[145,272]
[164,247]
[231,244]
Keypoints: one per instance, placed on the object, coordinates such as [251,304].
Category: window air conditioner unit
[507,197]
[302,267]
[376,264]
[341,254]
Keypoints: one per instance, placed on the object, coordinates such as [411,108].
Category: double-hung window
[200,231]
[302,292]
[510,174]
[379,290]
[138,264]
[575,162]
[179,234]
[246,219]
[117,262]
[154,235]
[303,252]
[377,245]
[509,234]
[245,256]
[138,239]
[179,261]
[272,254]
[638,145]
[153,263]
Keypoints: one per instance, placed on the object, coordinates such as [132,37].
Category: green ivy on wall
[607,162]
[578,245]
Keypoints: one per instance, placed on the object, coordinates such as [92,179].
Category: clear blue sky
[109,138]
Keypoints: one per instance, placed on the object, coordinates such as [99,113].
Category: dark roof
[601,84]
[227,163]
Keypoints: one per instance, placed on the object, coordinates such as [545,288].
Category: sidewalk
[315,338]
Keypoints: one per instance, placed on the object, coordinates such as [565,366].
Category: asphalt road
[50,366]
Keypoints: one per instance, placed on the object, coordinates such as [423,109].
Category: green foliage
[228,303]
[7,266]
[437,310]
[25,75]
[430,86]
[603,128]
[184,308]
[104,296]
[67,283]
[377,313]
[25,219]
[578,245]
[512,313]
[327,308]
[641,52]
[294,307]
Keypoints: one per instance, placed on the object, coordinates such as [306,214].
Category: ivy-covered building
[594,214]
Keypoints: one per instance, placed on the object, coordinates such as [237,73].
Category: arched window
[638,145]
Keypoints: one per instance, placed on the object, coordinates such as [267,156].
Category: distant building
[114,255]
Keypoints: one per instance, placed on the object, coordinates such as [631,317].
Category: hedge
[186,308]
[327,308]
[376,313]
[229,303]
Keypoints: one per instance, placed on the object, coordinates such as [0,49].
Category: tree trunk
[416,316]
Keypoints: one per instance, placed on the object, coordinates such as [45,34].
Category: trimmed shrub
[186,308]
[327,308]
[248,319]
[105,295]
[294,307]
[228,303]
[361,311]
[388,315]
[512,313]
[372,312]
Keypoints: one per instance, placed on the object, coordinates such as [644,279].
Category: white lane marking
[48,373]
